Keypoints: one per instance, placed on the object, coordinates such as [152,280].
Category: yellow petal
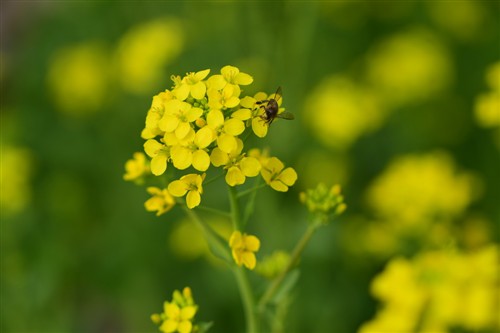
[288,176]
[182,92]
[171,310]
[242,114]
[259,127]
[216,82]
[168,123]
[229,72]
[201,160]
[204,137]
[177,188]
[218,157]
[236,240]
[198,90]
[278,186]
[169,326]
[215,118]
[275,165]
[185,326]
[182,157]
[188,312]
[193,114]
[249,260]
[227,143]
[234,126]
[152,147]
[159,164]
[252,243]
[243,79]
[250,166]
[234,176]
[232,102]
[193,199]
[182,130]
[248,102]
[202,74]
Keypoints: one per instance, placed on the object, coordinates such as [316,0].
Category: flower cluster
[177,315]
[198,123]
[438,291]
[323,202]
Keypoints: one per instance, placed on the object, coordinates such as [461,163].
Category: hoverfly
[271,109]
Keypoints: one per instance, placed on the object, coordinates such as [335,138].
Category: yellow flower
[193,152]
[178,319]
[161,201]
[177,315]
[192,84]
[272,265]
[154,115]
[243,247]
[238,166]
[178,116]
[230,77]
[137,167]
[225,130]
[190,184]
[276,177]
[224,99]
[159,154]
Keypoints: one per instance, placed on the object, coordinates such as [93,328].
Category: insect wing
[277,95]
[286,115]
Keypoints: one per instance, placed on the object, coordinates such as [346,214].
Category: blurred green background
[396,101]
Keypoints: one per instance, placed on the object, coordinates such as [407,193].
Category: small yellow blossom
[159,154]
[154,115]
[243,248]
[224,99]
[193,152]
[178,314]
[192,84]
[136,168]
[276,176]
[190,184]
[178,116]
[487,109]
[225,130]
[238,165]
[230,77]
[161,201]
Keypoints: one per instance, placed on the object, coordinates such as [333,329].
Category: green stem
[299,248]
[218,246]
[235,207]
[247,298]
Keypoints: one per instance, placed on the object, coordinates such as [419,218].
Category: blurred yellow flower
[178,314]
[136,168]
[415,190]
[243,248]
[409,66]
[161,201]
[339,112]
[144,51]
[463,19]
[17,167]
[437,291]
[272,265]
[487,108]
[78,78]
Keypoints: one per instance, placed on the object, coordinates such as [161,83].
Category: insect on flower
[271,109]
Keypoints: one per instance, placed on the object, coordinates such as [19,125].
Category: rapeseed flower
[243,248]
[161,201]
[136,167]
[178,314]
[190,184]
[159,154]
[276,176]
[178,116]
[192,84]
